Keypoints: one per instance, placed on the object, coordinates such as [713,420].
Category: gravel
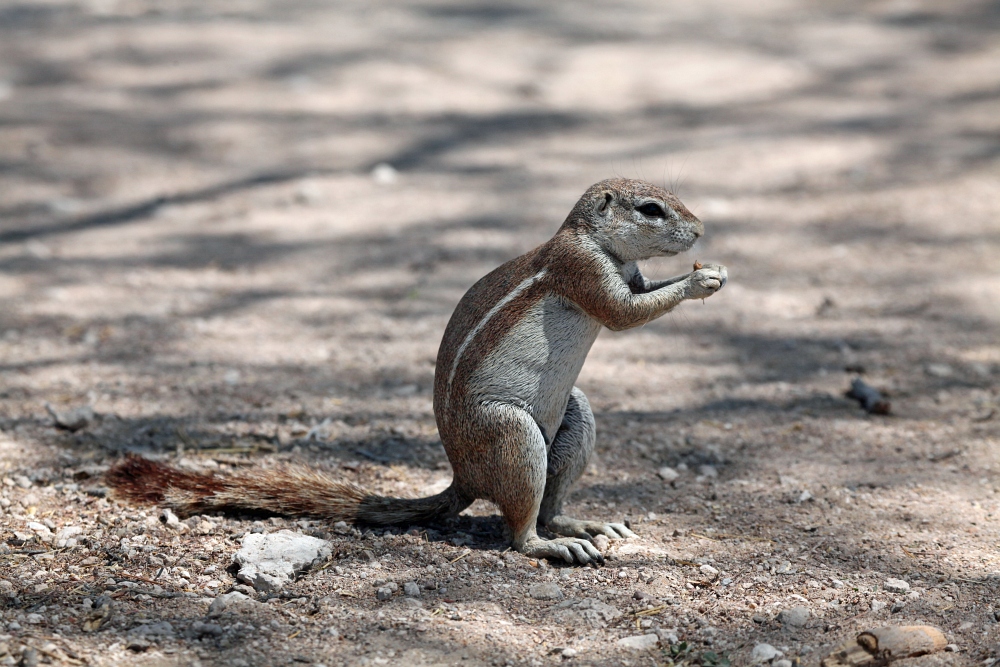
[194,248]
[588,611]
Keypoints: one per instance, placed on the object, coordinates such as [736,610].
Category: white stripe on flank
[525,284]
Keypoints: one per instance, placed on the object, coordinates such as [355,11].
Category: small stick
[870,399]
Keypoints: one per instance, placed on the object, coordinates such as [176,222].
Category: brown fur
[515,430]
[288,491]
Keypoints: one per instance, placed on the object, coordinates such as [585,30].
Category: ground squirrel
[516,430]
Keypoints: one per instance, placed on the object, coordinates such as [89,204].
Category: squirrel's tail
[287,491]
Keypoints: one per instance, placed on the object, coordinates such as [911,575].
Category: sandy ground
[194,244]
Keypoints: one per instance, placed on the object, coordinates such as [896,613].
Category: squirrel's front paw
[706,281]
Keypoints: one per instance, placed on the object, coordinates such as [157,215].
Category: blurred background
[199,199]
[256,209]
[239,227]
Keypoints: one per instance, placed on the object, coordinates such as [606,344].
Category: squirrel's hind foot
[564,525]
[573,550]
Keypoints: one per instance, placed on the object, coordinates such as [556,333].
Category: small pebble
[764,653]
[709,571]
[384,593]
[639,642]
[668,474]
[29,658]
[877,606]
[782,663]
[896,586]
[708,471]
[545,591]
[200,629]
[795,617]
[601,542]
[411,589]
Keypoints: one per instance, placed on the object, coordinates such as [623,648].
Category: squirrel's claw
[573,550]
[617,531]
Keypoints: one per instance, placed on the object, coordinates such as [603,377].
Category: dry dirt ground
[196,243]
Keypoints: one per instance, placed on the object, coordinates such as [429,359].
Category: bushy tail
[286,491]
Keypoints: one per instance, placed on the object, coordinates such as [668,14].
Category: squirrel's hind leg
[568,457]
[509,461]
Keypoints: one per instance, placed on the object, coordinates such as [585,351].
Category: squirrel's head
[635,220]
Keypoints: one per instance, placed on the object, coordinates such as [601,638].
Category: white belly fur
[538,362]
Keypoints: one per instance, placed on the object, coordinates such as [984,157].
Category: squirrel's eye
[651,210]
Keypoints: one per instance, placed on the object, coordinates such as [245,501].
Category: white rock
[33,619]
[268,562]
[39,528]
[764,653]
[939,370]
[785,568]
[708,471]
[896,586]
[709,571]
[230,602]
[602,542]
[782,663]
[69,532]
[668,474]
[639,642]
[170,518]
[384,174]
[837,583]
[877,606]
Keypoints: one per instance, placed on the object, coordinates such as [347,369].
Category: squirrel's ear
[604,203]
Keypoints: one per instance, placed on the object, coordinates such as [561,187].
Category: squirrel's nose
[698,229]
